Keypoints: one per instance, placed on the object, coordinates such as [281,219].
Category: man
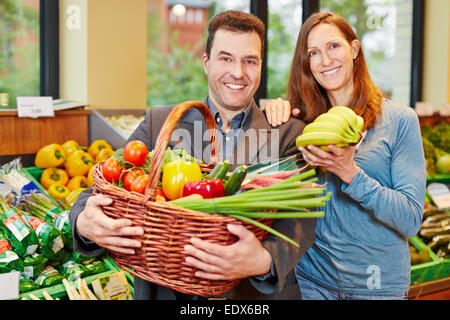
[232,63]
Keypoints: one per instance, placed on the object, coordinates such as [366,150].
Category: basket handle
[164,137]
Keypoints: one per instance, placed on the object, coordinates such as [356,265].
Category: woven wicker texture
[167,227]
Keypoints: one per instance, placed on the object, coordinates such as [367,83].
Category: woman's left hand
[339,161]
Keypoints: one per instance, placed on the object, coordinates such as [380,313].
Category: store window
[385,30]
[284,23]
[19,50]
[176,39]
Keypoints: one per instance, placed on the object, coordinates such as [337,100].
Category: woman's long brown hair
[304,91]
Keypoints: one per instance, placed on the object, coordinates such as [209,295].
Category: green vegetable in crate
[79,258]
[27,285]
[21,237]
[95,267]
[46,210]
[51,243]
[34,265]
[72,270]
[49,277]
[9,260]
[61,222]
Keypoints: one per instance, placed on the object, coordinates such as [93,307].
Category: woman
[378,188]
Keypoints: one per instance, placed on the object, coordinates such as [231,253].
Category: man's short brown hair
[233,20]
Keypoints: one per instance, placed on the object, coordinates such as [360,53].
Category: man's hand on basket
[242,259]
[112,234]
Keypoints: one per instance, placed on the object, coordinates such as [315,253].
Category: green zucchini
[235,180]
[219,171]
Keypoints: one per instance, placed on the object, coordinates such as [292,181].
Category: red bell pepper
[206,188]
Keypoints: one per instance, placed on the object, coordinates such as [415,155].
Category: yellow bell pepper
[70,146]
[50,156]
[53,176]
[58,192]
[104,154]
[176,174]
[90,177]
[79,163]
[77,182]
[96,146]
[73,196]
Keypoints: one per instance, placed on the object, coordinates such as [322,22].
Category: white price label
[9,285]
[34,107]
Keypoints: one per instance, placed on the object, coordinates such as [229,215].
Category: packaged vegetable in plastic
[33,265]
[60,220]
[79,258]
[95,267]
[49,277]
[72,270]
[9,260]
[19,234]
[50,239]
[27,285]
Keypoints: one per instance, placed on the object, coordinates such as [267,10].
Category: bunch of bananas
[340,126]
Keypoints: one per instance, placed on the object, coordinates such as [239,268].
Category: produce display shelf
[435,269]
[58,291]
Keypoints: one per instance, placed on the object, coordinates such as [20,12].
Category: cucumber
[235,180]
[219,171]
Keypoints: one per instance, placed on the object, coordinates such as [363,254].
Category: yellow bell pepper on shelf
[79,163]
[50,156]
[77,182]
[96,146]
[73,196]
[70,146]
[90,177]
[104,154]
[58,192]
[176,174]
[53,176]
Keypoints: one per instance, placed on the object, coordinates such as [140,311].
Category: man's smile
[234,86]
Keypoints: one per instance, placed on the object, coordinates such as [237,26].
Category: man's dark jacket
[256,148]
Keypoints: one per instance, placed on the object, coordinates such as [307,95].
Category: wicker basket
[167,227]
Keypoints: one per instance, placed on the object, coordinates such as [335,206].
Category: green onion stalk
[294,197]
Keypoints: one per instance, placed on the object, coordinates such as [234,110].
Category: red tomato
[130,176]
[135,152]
[159,192]
[140,183]
[112,170]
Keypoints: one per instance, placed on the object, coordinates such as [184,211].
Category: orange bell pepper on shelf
[50,156]
[77,182]
[53,176]
[79,163]
[58,192]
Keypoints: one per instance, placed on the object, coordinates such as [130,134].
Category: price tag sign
[440,193]
[9,285]
[34,107]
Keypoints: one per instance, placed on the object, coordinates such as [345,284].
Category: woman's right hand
[278,111]
[112,234]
